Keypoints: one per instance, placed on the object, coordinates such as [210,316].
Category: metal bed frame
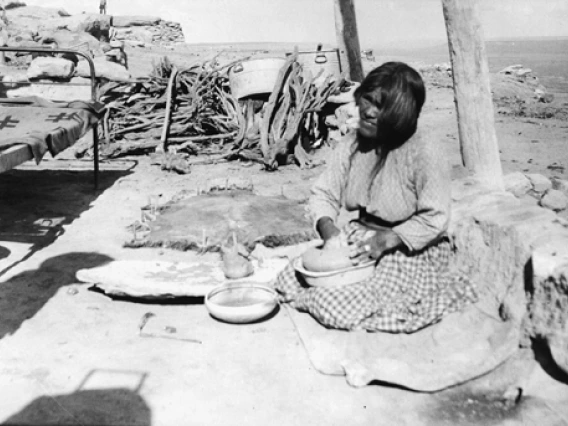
[94,94]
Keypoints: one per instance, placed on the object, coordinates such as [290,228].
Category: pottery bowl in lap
[331,268]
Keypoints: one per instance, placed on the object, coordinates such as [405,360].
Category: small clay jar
[318,259]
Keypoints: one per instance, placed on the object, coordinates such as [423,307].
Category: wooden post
[476,123]
[348,40]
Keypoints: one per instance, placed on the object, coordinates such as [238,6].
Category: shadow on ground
[4,252]
[86,407]
[37,204]
[495,399]
[22,296]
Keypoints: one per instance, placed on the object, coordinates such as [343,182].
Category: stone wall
[499,241]
[163,33]
[147,30]
[35,26]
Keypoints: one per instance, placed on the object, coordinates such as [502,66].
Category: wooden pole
[348,40]
[476,123]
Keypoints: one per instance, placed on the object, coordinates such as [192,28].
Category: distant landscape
[546,56]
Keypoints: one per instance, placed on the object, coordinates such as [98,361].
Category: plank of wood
[348,40]
[476,123]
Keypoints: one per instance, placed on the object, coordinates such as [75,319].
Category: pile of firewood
[182,107]
[191,112]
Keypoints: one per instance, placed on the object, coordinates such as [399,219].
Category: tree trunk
[476,123]
[348,40]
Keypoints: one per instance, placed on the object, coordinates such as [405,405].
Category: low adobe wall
[517,254]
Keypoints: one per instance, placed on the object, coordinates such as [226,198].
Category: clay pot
[320,259]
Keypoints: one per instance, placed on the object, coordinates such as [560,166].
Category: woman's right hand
[335,242]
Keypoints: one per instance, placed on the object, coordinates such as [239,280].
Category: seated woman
[398,180]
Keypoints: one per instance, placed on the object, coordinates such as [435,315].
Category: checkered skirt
[406,293]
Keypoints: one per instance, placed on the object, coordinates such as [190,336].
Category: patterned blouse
[411,191]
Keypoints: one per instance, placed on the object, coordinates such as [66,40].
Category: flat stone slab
[167,280]
[131,21]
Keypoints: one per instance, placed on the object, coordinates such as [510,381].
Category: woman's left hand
[374,246]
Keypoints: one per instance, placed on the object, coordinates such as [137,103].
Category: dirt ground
[70,355]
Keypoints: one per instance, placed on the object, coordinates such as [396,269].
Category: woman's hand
[336,242]
[356,232]
[374,245]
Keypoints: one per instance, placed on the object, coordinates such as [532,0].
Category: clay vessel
[235,265]
[319,259]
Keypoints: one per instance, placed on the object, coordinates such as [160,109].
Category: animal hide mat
[463,346]
[206,221]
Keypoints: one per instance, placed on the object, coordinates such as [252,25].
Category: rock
[561,185]
[517,184]
[95,24]
[4,37]
[547,98]
[104,69]
[120,33]
[116,44]
[542,95]
[19,34]
[81,41]
[55,91]
[135,43]
[555,200]
[444,66]
[12,80]
[81,81]
[549,303]
[539,182]
[22,43]
[131,21]
[516,70]
[141,34]
[13,4]
[49,67]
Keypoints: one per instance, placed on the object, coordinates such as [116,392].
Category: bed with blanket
[31,127]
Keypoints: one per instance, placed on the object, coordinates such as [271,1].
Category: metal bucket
[318,60]
[255,76]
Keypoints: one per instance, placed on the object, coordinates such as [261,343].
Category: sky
[396,23]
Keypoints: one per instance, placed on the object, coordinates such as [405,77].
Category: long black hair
[398,91]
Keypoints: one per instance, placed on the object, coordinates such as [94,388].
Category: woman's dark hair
[399,93]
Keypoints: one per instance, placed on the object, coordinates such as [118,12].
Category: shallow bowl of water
[241,303]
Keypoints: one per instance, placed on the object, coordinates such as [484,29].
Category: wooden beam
[476,122]
[348,40]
